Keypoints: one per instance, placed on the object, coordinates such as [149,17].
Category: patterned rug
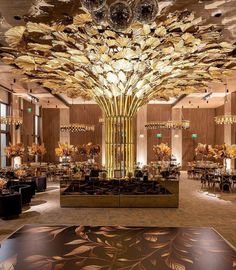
[109,248]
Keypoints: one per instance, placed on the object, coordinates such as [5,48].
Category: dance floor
[101,248]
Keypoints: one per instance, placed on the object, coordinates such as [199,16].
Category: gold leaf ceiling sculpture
[175,56]
[121,70]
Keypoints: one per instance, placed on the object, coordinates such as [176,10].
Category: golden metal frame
[119,113]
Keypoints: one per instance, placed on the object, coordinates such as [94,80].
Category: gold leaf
[14,35]
[39,47]
[92,267]
[83,18]
[26,62]
[35,258]
[79,250]
[38,27]
[76,242]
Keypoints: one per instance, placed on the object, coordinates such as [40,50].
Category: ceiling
[17,12]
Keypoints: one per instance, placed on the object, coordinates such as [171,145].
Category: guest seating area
[18,192]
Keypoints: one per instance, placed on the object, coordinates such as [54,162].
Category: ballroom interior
[117,134]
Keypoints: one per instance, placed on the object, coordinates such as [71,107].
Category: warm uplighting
[183,124]
[77,128]
[226,119]
[11,120]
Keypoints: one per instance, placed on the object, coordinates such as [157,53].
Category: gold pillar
[119,132]
[119,144]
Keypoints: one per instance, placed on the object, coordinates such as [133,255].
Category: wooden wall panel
[233,111]
[86,114]
[156,112]
[202,123]
[27,135]
[219,135]
[51,132]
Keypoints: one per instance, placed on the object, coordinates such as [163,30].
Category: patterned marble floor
[197,209]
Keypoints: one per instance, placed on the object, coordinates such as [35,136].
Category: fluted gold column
[119,144]
[119,132]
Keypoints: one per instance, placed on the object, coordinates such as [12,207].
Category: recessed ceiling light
[217,15]
[17,17]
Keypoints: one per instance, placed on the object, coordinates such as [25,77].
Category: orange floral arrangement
[20,173]
[37,149]
[3,183]
[90,150]
[162,151]
[64,150]
[204,150]
[232,151]
[14,150]
[93,150]
[225,151]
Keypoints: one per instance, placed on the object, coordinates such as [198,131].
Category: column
[176,136]
[65,120]
[142,135]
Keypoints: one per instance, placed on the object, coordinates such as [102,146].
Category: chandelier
[120,14]
[77,128]
[182,124]
[11,120]
[227,119]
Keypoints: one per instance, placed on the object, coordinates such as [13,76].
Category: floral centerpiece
[81,150]
[232,151]
[162,151]
[204,151]
[64,150]
[90,150]
[37,149]
[14,150]
[93,150]
[222,151]
[20,173]
[3,183]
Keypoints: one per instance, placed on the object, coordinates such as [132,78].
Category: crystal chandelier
[77,128]
[120,14]
[227,119]
[11,120]
[182,124]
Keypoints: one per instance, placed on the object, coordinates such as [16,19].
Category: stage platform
[43,247]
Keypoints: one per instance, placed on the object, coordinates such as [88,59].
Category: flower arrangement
[20,173]
[204,150]
[225,151]
[162,151]
[89,150]
[232,151]
[93,150]
[221,151]
[37,149]
[3,183]
[14,150]
[64,150]
[81,150]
